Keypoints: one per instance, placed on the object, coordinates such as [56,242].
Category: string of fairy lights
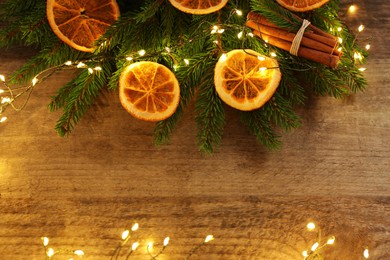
[9,95]
[125,251]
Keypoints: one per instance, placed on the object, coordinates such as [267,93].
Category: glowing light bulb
[251,35]
[3,119]
[310,226]
[98,68]
[238,12]
[166,241]
[216,42]
[2,78]
[34,81]
[352,9]
[340,49]
[305,254]
[368,46]
[125,234]
[142,53]
[90,70]
[215,29]
[361,28]
[273,54]
[80,65]
[366,254]
[331,240]
[135,227]
[262,69]
[68,63]
[79,252]
[150,246]
[340,40]
[5,100]
[362,69]
[187,62]
[45,241]
[129,58]
[261,58]
[223,57]
[209,238]
[50,252]
[357,56]
[339,29]
[314,246]
[221,31]
[134,246]
[239,35]
[168,49]
[1,91]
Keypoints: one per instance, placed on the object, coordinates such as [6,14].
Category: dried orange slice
[301,5]
[245,79]
[79,22]
[149,91]
[198,6]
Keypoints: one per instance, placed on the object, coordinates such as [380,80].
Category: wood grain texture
[84,190]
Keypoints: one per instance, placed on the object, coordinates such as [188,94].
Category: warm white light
[368,46]
[187,62]
[331,240]
[1,91]
[134,246]
[314,246]
[50,252]
[339,29]
[223,57]
[340,49]
[5,100]
[238,12]
[304,253]
[310,226]
[166,241]
[2,78]
[361,28]
[90,70]
[142,53]
[273,54]
[135,227]
[357,56]
[34,81]
[216,42]
[251,35]
[261,58]
[150,246]
[239,35]
[214,30]
[45,241]
[81,65]
[125,234]
[68,63]
[209,238]
[352,9]
[3,119]
[168,49]
[129,58]
[340,40]
[362,69]
[98,68]
[365,253]
[262,69]
[79,252]
[221,30]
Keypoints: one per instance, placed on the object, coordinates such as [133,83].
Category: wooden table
[84,190]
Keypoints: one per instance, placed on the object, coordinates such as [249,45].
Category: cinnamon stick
[316,34]
[314,55]
[288,36]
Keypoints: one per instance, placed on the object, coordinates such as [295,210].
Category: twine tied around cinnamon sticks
[313,44]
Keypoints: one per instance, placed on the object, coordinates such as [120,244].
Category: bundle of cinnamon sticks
[316,45]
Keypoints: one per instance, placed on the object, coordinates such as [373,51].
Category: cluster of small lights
[315,249]
[50,252]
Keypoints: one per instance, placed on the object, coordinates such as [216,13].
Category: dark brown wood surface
[84,190]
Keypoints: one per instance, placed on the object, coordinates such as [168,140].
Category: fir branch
[210,116]
[259,125]
[86,88]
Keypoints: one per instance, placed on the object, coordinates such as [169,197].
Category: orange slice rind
[246,80]
[198,6]
[79,23]
[301,5]
[149,91]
